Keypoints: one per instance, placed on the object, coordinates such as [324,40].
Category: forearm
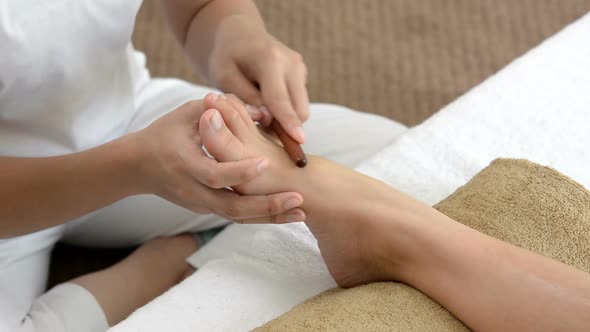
[38,193]
[195,23]
[493,286]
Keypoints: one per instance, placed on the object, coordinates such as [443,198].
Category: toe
[218,139]
[232,114]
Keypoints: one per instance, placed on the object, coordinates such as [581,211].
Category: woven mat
[404,59]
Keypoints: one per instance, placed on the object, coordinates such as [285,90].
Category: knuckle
[212,179]
[304,114]
[275,53]
[273,207]
[297,58]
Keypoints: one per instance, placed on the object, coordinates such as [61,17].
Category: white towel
[537,108]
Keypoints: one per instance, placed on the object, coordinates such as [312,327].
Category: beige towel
[517,201]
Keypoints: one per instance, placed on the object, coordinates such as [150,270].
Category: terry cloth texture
[528,205]
[404,59]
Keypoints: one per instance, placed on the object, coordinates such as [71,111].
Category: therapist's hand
[174,166]
[247,61]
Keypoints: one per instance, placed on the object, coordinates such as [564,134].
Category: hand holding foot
[345,237]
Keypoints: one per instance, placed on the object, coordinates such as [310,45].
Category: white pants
[334,132]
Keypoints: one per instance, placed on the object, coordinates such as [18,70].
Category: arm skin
[38,193]
[194,23]
[229,45]
[164,159]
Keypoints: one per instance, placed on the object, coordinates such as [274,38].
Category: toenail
[292,203]
[216,121]
[264,110]
[252,110]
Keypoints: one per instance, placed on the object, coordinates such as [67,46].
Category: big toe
[219,141]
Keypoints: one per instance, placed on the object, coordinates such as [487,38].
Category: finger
[231,116]
[267,118]
[234,81]
[219,141]
[276,98]
[298,93]
[293,215]
[218,175]
[241,108]
[237,207]
[255,113]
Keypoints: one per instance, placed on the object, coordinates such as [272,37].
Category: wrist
[203,32]
[131,158]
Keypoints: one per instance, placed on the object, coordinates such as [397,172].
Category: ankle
[404,244]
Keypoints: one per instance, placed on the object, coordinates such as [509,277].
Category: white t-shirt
[67,74]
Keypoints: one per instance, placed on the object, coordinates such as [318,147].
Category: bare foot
[230,135]
[145,274]
[343,236]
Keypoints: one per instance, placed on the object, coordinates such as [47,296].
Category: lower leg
[145,274]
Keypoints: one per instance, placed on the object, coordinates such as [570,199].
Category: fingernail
[262,165]
[223,96]
[292,203]
[294,217]
[213,97]
[216,121]
[300,134]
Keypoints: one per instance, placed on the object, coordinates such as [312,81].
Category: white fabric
[53,311]
[25,260]
[66,82]
[84,86]
[537,108]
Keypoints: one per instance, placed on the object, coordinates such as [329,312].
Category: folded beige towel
[517,201]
